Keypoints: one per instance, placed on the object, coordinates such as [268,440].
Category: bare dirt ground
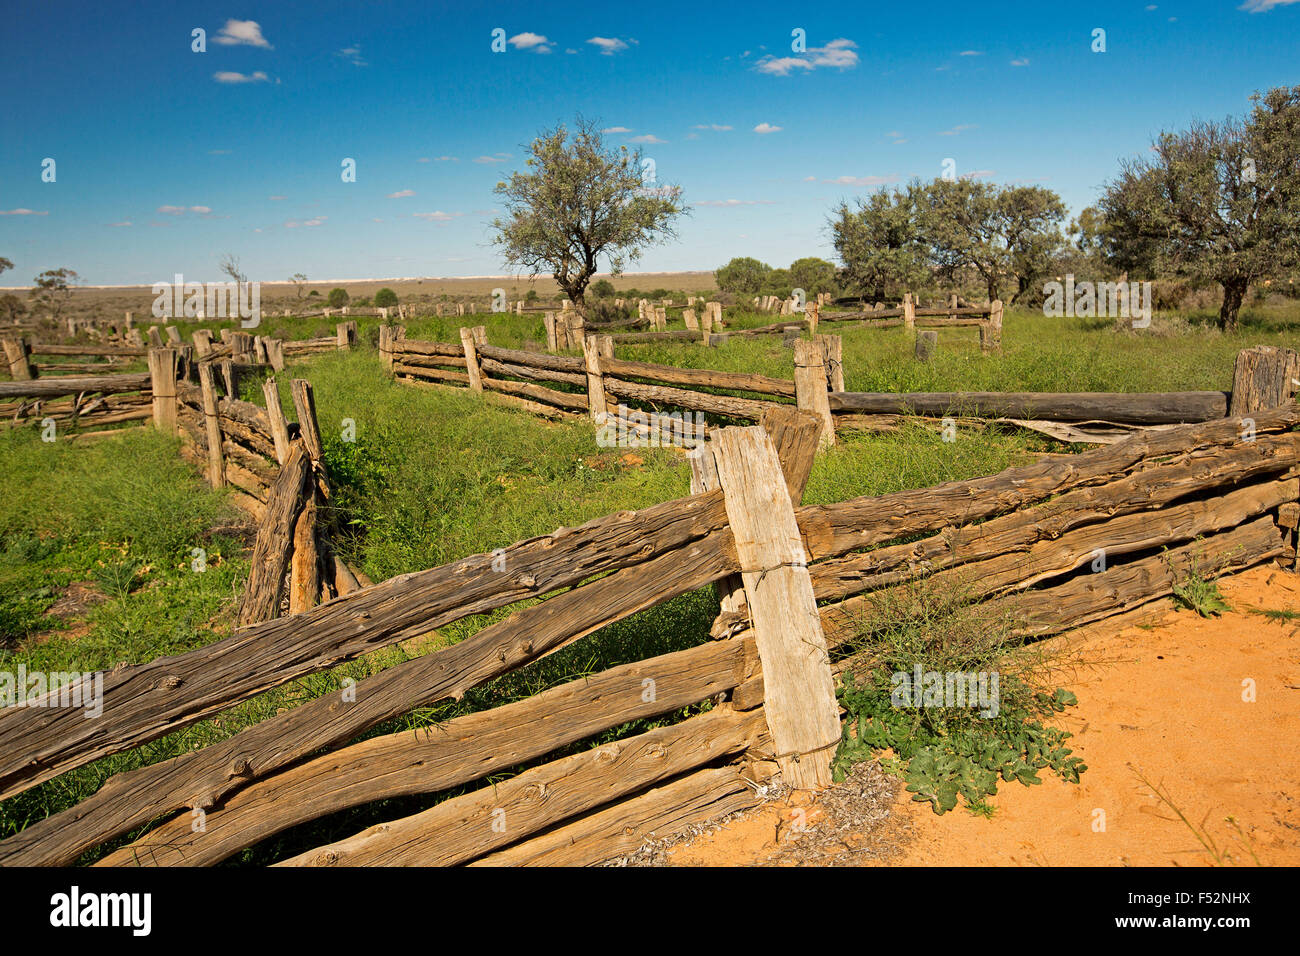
[1164,727]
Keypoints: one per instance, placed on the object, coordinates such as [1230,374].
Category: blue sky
[166,158]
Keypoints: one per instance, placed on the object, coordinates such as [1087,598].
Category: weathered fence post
[162,382]
[991,328]
[231,376]
[552,340]
[1264,377]
[811,316]
[304,565]
[909,312]
[274,542]
[799,691]
[173,335]
[202,342]
[347,334]
[927,340]
[595,379]
[155,338]
[833,350]
[810,386]
[386,346]
[471,359]
[212,427]
[17,352]
[692,323]
[304,403]
[952,307]
[706,322]
[275,353]
[275,414]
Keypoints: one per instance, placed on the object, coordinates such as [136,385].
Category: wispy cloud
[437,216]
[979,174]
[1022,61]
[861,180]
[276,198]
[957,129]
[608,45]
[242,33]
[731,203]
[647,138]
[617,129]
[353,55]
[971,53]
[717,128]
[125,222]
[226,76]
[1262,6]
[438,159]
[294,223]
[767,128]
[531,41]
[23,212]
[182,210]
[496,158]
[401,194]
[837,54]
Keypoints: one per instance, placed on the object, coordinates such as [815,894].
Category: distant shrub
[385,298]
[338,298]
[313,292]
[603,289]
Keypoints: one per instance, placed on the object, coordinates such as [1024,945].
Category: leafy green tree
[1005,233]
[1219,201]
[578,203]
[338,298]
[5,264]
[385,298]
[603,289]
[11,307]
[880,244]
[777,282]
[812,275]
[53,289]
[742,276]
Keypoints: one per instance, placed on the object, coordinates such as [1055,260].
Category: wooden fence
[794,582]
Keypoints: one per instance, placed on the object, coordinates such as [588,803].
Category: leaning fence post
[212,427]
[595,379]
[833,350]
[275,414]
[799,691]
[202,342]
[471,359]
[162,382]
[20,368]
[810,385]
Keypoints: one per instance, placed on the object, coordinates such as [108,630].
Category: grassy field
[97,540]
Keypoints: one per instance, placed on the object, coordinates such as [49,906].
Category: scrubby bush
[385,298]
[338,298]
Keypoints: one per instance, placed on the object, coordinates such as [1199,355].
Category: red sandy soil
[1163,701]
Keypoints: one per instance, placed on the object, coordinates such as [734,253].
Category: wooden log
[738,381]
[262,593]
[212,425]
[230,376]
[538,393]
[274,353]
[926,343]
[202,342]
[730,406]
[462,828]
[1142,408]
[680,335]
[1264,377]
[433,361]
[673,808]
[802,712]
[810,386]
[304,403]
[1154,487]
[437,374]
[861,522]
[73,385]
[162,377]
[143,706]
[112,351]
[558,363]
[275,416]
[407,347]
[462,750]
[304,570]
[487,365]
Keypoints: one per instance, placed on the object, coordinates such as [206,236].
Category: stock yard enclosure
[1191,482]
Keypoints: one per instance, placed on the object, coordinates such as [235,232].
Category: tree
[230,266]
[11,307]
[1010,232]
[603,289]
[1219,201]
[385,298]
[5,264]
[338,298]
[300,281]
[53,289]
[742,276]
[812,275]
[777,282]
[579,203]
[880,242]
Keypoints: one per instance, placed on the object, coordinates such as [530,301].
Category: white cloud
[957,129]
[401,194]
[437,216]
[294,224]
[731,203]
[608,45]
[570,50]
[767,128]
[838,54]
[242,33]
[531,41]
[353,55]
[497,158]
[617,129]
[22,212]
[1261,6]
[647,138]
[225,76]
[1023,61]
[201,210]
[971,53]
[979,174]
[125,222]
[717,128]
[182,210]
